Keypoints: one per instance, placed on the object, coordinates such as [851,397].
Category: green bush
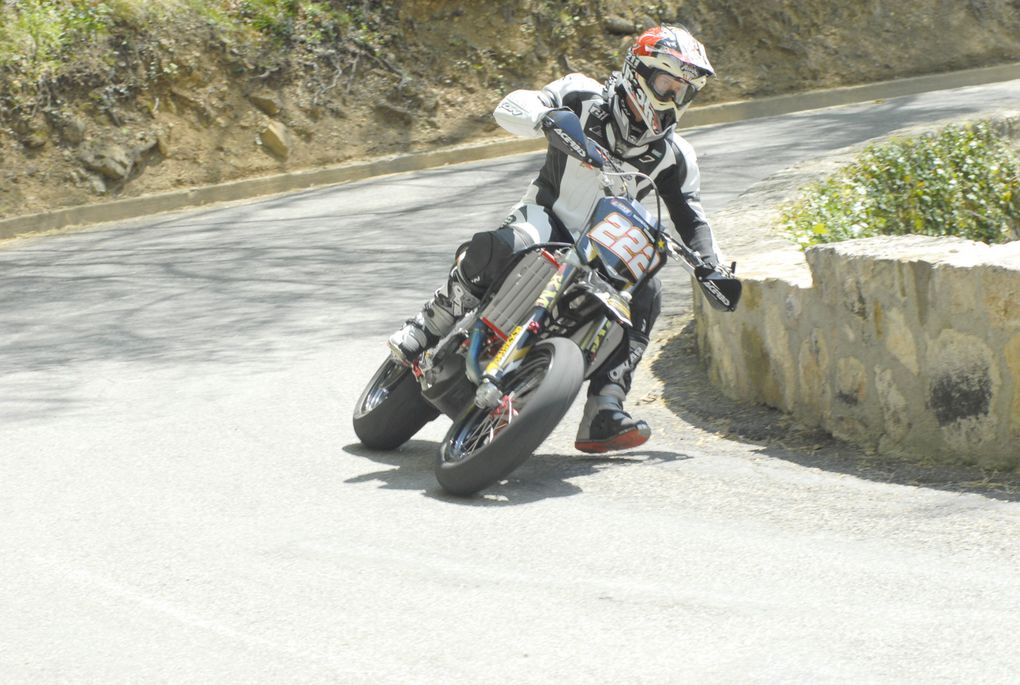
[36,35]
[45,29]
[962,181]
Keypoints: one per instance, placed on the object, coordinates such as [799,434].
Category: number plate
[625,240]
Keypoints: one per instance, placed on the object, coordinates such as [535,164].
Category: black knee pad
[485,257]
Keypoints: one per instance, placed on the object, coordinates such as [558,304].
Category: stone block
[852,297]
[1012,353]
[618,26]
[959,369]
[758,366]
[959,294]
[750,297]
[266,101]
[962,384]
[727,360]
[277,139]
[813,379]
[109,159]
[896,417]
[72,129]
[782,362]
[852,429]
[917,284]
[1000,287]
[900,339]
[851,381]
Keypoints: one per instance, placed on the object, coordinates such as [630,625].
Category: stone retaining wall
[905,345]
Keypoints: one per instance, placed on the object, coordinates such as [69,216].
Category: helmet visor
[670,88]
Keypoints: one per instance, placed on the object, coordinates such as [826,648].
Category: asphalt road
[182,497]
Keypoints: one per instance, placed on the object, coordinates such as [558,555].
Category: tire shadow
[543,476]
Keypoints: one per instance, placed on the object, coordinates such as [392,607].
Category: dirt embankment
[182,107]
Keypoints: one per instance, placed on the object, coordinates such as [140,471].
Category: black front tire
[483,446]
[391,409]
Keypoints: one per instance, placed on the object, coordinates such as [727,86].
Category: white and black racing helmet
[662,72]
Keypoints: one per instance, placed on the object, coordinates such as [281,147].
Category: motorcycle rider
[633,116]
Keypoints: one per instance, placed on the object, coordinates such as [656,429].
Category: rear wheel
[484,445]
[391,409]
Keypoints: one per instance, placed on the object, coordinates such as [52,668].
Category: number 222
[626,241]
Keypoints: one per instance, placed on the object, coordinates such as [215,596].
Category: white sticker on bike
[626,241]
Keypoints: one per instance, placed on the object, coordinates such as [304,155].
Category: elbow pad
[521,113]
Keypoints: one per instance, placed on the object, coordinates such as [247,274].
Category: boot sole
[624,441]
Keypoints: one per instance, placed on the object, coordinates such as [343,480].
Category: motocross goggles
[669,88]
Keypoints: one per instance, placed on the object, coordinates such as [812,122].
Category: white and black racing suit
[560,199]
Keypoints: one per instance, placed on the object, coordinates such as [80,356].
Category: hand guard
[721,288]
[564,132]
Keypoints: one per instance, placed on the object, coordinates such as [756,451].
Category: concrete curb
[119,210]
[129,208]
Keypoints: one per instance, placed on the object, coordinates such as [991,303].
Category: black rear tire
[391,409]
[483,446]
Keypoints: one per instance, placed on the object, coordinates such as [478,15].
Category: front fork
[520,341]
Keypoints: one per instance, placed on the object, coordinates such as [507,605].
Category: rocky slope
[183,106]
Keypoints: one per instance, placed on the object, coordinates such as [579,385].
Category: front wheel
[484,445]
[391,409]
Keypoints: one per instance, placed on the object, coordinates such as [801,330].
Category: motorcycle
[510,369]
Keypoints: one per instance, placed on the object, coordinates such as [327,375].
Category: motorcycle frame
[533,328]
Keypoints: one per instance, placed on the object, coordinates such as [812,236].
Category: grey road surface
[182,498]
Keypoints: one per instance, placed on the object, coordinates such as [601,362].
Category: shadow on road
[543,476]
[690,396]
[243,283]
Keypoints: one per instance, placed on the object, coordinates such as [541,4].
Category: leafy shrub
[962,181]
[44,30]
[35,35]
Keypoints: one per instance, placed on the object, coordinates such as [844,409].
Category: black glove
[710,267]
